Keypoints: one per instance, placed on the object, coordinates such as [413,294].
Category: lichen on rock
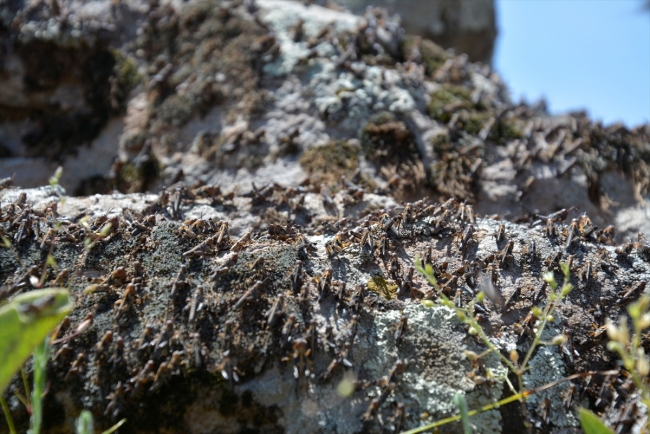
[292,162]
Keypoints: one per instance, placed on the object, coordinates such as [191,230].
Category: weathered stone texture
[203,340]
[309,129]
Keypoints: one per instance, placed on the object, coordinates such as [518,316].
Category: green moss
[507,129]
[383,287]
[126,78]
[331,161]
[472,118]
[447,100]
[474,122]
[137,177]
[202,41]
[133,141]
[441,142]
[432,56]
[176,110]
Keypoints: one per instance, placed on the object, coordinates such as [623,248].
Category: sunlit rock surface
[211,313]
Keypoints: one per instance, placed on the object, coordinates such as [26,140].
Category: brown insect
[201,249]
[126,301]
[545,410]
[116,403]
[339,360]
[525,328]
[514,295]
[401,328]
[585,272]
[398,418]
[178,281]
[117,361]
[633,292]
[606,236]
[228,262]
[241,243]
[499,234]
[143,378]
[568,397]
[571,232]
[370,412]
[296,277]
[466,237]
[539,293]
[505,253]
[324,284]
[102,346]
[624,251]
[228,368]
[275,311]
[258,264]
[196,304]
[249,295]
[302,365]
[77,366]
[287,328]
[491,292]
[199,351]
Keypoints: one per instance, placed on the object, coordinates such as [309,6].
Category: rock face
[270,285]
[467,26]
[132,97]
[213,313]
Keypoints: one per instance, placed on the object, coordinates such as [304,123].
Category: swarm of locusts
[173,307]
[313,222]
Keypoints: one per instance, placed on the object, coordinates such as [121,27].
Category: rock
[246,89]
[317,327]
[467,26]
[203,129]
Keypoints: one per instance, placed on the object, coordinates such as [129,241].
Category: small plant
[25,323]
[85,424]
[632,355]
[56,178]
[41,356]
[541,317]
[591,424]
[629,347]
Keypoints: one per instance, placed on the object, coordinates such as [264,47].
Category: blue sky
[577,54]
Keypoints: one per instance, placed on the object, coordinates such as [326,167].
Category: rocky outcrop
[214,313]
[238,91]
[266,173]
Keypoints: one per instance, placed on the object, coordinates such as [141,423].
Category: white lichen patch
[345,96]
[281,16]
[545,367]
[355,96]
[434,345]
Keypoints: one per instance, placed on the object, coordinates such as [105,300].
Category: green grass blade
[591,424]
[85,423]
[41,356]
[5,410]
[25,322]
[461,404]
[114,428]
